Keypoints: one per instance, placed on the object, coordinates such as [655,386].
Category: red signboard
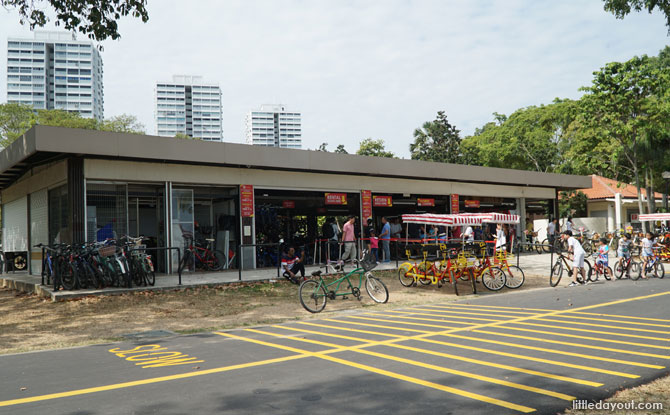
[366,202]
[288,204]
[382,201]
[454,203]
[336,198]
[472,203]
[421,201]
[634,217]
[246,200]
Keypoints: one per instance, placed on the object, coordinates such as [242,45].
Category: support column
[617,210]
[611,218]
[521,209]
[76,199]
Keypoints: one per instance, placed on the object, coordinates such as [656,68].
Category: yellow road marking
[130,384]
[453,357]
[601,325]
[633,317]
[580,345]
[497,306]
[462,309]
[625,351]
[398,338]
[326,356]
[581,336]
[438,313]
[615,321]
[581,330]
[450,314]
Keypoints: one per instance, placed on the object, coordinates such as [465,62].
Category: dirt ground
[32,323]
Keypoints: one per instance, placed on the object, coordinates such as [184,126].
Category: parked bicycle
[201,257]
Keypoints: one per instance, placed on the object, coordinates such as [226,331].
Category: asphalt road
[516,352]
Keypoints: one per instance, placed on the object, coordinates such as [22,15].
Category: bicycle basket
[107,250]
[368,262]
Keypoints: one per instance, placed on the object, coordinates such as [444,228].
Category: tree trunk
[637,184]
[651,200]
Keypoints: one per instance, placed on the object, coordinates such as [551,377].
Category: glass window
[59,216]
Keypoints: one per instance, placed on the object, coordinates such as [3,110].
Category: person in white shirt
[551,229]
[569,224]
[575,248]
[469,234]
[501,241]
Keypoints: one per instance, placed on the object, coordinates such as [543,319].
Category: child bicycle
[654,267]
[314,293]
[599,269]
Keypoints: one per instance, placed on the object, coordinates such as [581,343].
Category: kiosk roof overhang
[43,143]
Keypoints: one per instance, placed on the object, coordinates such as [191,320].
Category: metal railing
[240,250]
[164,248]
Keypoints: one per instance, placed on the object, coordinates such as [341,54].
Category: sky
[359,69]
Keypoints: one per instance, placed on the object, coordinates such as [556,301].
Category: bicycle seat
[316,273]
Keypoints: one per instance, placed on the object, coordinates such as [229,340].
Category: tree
[374,148]
[437,141]
[340,149]
[572,204]
[15,119]
[628,103]
[123,123]
[97,19]
[323,147]
[183,136]
[621,8]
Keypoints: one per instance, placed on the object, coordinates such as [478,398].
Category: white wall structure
[55,71]
[189,105]
[39,227]
[274,126]
[15,225]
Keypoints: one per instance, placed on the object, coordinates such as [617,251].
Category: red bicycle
[599,269]
[201,257]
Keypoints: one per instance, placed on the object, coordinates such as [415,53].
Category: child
[374,244]
[603,253]
[575,248]
[623,252]
[647,252]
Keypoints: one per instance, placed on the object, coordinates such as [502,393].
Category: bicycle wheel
[185,261]
[556,273]
[313,296]
[376,288]
[454,281]
[68,275]
[635,267]
[149,274]
[493,278]
[587,268]
[659,271]
[515,277]
[546,246]
[618,270]
[215,260]
[470,276]
[404,276]
[538,248]
[607,273]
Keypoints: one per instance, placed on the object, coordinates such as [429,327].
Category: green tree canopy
[123,123]
[374,148]
[340,149]
[437,141]
[621,8]
[96,19]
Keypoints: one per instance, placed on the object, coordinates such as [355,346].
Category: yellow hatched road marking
[398,338]
[438,313]
[325,355]
[581,330]
[522,346]
[625,351]
[497,306]
[633,317]
[581,336]
[590,346]
[601,325]
[615,321]
[453,357]
[134,383]
[466,309]
[427,366]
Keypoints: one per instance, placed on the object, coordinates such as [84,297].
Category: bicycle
[514,276]
[654,266]
[626,265]
[557,269]
[409,273]
[314,293]
[599,269]
[491,276]
[201,257]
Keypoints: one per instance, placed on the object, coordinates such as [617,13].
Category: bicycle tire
[546,246]
[313,296]
[493,278]
[471,278]
[556,273]
[214,260]
[514,277]
[618,270]
[454,281]
[149,273]
[403,270]
[607,273]
[376,289]
[587,249]
[659,270]
[68,276]
[637,275]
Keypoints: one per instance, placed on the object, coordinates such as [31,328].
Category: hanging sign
[454,203]
[246,200]
[472,203]
[288,204]
[336,198]
[366,204]
[422,201]
[634,217]
[382,201]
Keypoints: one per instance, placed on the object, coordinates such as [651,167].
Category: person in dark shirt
[293,264]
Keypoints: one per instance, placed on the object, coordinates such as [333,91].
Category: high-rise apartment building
[188,105]
[273,126]
[55,71]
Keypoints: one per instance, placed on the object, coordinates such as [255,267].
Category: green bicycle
[314,293]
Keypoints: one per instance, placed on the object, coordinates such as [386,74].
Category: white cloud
[367,69]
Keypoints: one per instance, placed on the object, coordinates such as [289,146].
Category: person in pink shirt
[374,244]
[349,240]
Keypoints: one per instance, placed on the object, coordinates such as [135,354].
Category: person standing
[551,232]
[578,253]
[385,237]
[374,245]
[349,239]
[469,234]
[568,224]
[501,240]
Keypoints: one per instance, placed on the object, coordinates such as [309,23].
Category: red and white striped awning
[460,219]
[502,218]
[650,217]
